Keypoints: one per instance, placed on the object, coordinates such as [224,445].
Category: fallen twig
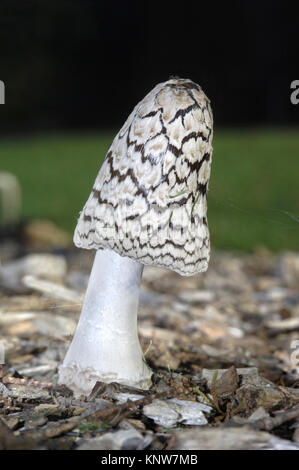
[269,423]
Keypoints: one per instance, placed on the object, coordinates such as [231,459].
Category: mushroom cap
[149,200]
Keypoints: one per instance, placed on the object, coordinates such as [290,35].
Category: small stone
[259,413]
[161,413]
[28,392]
[124,397]
[4,391]
[12,422]
[168,413]
[120,440]
[272,295]
[46,408]
[194,297]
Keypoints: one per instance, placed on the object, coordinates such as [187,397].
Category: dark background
[73,64]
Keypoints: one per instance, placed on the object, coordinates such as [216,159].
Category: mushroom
[148,206]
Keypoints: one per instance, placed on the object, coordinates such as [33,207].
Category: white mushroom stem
[106,346]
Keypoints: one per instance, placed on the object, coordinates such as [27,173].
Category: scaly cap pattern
[149,200]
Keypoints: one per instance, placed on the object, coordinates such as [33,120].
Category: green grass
[253,196]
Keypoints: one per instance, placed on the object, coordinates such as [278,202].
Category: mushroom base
[82,381]
[105,346]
